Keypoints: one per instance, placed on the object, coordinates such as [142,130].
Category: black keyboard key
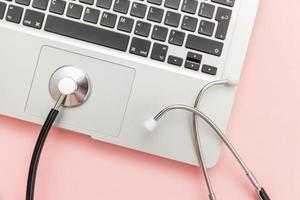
[121,6]
[176,37]
[157,2]
[204,45]
[57,6]
[159,33]
[175,60]
[91,15]
[192,65]
[90,2]
[190,6]
[159,52]
[209,70]
[140,47]
[172,19]
[108,20]
[23,2]
[174,4]
[87,33]
[194,57]
[74,10]
[104,3]
[138,10]
[2,9]
[189,23]
[225,2]
[125,24]
[193,61]
[155,14]
[14,14]
[142,28]
[206,10]
[33,19]
[206,28]
[40,4]
[223,16]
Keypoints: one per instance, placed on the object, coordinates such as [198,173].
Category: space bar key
[87,33]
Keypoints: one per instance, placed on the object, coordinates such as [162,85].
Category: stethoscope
[70,82]
[152,123]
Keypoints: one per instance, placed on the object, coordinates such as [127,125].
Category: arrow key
[192,65]
[175,60]
[209,69]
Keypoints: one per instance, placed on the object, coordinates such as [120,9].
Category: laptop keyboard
[146,28]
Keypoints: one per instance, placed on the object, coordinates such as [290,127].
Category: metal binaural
[80,95]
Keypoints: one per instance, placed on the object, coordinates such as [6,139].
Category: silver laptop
[139,55]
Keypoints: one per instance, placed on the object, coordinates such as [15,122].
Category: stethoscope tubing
[249,174]
[197,135]
[197,113]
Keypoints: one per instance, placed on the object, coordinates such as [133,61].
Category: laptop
[139,56]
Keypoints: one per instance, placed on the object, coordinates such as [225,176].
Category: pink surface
[265,126]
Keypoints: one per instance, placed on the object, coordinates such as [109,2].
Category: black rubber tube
[37,153]
[263,194]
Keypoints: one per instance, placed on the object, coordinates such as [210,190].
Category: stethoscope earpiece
[232,81]
[150,124]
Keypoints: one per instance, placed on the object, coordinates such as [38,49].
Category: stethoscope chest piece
[72,82]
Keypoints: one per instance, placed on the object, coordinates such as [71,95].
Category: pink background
[265,126]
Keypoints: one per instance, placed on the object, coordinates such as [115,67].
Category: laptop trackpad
[105,108]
